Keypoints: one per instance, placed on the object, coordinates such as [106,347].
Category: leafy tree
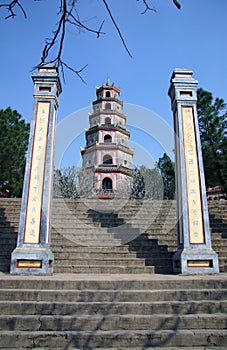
[125,189]
[138,185]
[86,181]
[14,134]
[212,125]
[166,167]
[65,183]
[153,183]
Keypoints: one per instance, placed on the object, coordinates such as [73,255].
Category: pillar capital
[182,87]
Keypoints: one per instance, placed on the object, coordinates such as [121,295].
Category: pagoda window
[107,184]
[107,139]
[107,159]
[107,94]
[107,106]
[107,120]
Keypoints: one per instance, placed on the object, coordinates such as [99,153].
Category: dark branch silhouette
[69,16]
[11,7]
[178,5]
[116,26]
[147,7]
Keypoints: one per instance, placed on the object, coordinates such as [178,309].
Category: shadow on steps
[148,249]
[154,254]
[8,241]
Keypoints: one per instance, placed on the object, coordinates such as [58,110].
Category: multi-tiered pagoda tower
[107,152]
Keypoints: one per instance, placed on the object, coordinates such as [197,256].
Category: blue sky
[194,37]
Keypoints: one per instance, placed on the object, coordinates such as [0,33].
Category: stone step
[100,261]
[57,247]
[111,322]
[139,348]
[111,295]
[113,339]
[101,243]
[8,241]
[222,255]
[163,267]
[103,255]
[88,234]
[151,242]
[109,255]
[8,232]
[67,266]
[122,282]
[155,215]
[116,307]
[103,269]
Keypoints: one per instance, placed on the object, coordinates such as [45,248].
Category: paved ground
[113,277]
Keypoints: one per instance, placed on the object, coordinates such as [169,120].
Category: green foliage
[65,183]
[138,185]
[212,125]
[147,183]
[14,134]
[166,167]
[153,183]
[73,182]
[86,182]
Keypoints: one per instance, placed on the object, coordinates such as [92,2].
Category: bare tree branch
[77,72]
[116,26]
[79,24]
[10,8]
[69,16]
[147,7]
[178,5]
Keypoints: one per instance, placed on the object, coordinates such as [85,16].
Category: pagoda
[107,152]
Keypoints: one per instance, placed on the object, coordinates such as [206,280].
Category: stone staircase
[107,296]
[111,236]
[218,222]
[105,236]
[113,312]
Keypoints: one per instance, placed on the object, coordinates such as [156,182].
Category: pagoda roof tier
[107,112]
[107,99]
[107,87]
[113,168]
[107,127]
[107,146]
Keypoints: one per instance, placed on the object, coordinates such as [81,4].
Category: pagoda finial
[108,82]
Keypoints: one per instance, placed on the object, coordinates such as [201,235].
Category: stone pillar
[33,254]
[195,254]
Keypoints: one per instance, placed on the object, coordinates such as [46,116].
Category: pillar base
[32,261]
[193,261]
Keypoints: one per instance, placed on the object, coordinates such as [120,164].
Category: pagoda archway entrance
[107,184]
